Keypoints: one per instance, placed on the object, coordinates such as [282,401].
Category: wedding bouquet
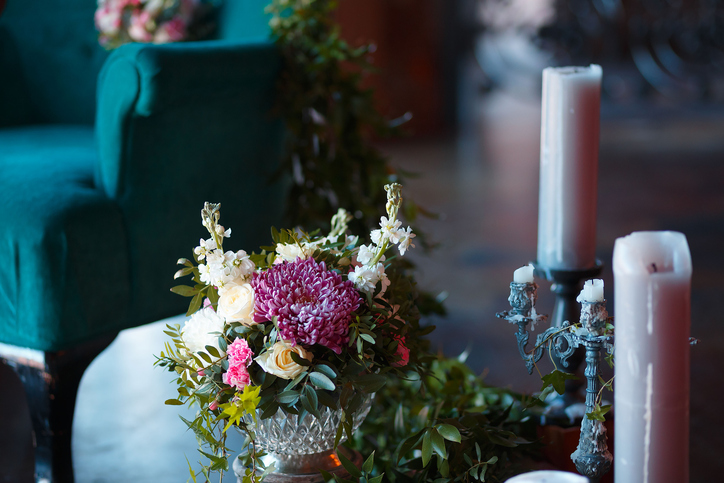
[158,21]
[309,323]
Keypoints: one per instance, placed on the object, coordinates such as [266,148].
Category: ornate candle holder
[568,347]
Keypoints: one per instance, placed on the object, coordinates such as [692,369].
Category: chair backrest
[49,62]
[50,57]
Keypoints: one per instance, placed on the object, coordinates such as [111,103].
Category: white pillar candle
[652,277]
[592,291]
[569,167]
[548,476]
[524,274]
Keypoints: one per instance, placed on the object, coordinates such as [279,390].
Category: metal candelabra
[568,346]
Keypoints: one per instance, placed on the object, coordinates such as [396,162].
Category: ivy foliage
[330,119]
[448,426]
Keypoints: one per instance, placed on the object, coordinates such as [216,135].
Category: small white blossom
[406,237]
[377,237]
[365,254]
[221,232]
[365,278]
[204,247]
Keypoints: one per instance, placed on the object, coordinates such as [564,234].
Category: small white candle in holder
[569,167]
[524,274]
[592,291]
[652,305]
[548,476]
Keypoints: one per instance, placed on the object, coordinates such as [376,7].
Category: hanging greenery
[330,118]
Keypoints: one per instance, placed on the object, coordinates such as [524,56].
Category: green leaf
[426,448]
[599,413]
[349,466]
[183,272]
[213,352]
[369,464]
[322,381]
[557,379]
[367,338]
[449,432]
[310,401]
[326,370]
[173,402]
[288,397]
[184,290]
[299,360]
[195,304]
[438,443]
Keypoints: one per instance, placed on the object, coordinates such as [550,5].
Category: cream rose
[236,304]
[278,360]
[291,251]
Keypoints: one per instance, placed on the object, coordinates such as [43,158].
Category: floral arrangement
[310,322]
[158,21]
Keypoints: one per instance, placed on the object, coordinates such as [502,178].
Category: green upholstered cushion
[65,273]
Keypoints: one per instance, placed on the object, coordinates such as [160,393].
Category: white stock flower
[223,233]
[365,254]
[406,237]
[278,360]
[236,303]
[390,228]
[205,246]
[365,278]
[202,329]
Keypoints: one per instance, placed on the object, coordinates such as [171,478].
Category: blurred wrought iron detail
[667,48]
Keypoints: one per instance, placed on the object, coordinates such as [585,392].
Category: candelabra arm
[522,300]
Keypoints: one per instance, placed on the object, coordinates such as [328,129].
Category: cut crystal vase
[300,448]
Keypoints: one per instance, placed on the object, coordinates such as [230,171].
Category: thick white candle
[652,277]
[569,167]
[548,476]
[592,291]
[524,274]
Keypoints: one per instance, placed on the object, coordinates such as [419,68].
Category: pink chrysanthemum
[312,304]
[239,356]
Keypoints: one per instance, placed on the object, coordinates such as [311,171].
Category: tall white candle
[569,167]
[652,290]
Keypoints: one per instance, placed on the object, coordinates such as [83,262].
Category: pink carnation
[239,356]
[313,305]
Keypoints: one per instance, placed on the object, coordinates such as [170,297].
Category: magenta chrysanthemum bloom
[313,305]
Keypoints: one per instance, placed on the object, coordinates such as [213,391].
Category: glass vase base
[303,468]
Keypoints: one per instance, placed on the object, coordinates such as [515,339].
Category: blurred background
[470,73]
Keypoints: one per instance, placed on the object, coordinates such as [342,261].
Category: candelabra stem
[566,286]
[592,457]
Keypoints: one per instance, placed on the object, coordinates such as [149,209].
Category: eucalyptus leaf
[321,381]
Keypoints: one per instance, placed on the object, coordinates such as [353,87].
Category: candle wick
[653,267]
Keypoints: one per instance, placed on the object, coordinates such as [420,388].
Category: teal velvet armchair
[105,163]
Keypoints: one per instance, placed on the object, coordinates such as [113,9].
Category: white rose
[236,303]
[202,329]
[278,360]
[291,251]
